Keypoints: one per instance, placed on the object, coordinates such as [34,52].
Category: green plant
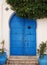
[32,9]
[2,50]
[42,49]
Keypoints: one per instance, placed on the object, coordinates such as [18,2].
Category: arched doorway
[22,36]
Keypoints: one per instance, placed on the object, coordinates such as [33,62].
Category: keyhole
[29,27]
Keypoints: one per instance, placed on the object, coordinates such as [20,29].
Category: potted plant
[3,56]
[2,50]
[42,56]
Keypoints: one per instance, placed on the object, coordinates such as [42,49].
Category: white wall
[4,24]
[5,30]
[0,17]
[41,31]
[1,22]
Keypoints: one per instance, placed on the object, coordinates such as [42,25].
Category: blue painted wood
[16,36]
[22,39]
[30,37]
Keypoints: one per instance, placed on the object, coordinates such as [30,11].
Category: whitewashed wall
[0,17]
[41,31]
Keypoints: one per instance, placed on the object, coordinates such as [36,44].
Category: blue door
[16,36]
[30,37]
[22,36]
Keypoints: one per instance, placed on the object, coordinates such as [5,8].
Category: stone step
[21,63]
[23,58]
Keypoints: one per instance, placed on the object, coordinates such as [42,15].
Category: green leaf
[29,8]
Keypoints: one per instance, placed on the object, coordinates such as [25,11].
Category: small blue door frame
[22,36]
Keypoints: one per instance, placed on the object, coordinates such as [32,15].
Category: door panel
[30,27]
[16,36]
[30,37]
[17,31]
[17,51]
[17,43]
[29,51]
[16,22]
[31,23]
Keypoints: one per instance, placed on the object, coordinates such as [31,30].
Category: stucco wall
[41,31]
[0,17]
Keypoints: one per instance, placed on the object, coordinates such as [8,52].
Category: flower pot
[43,60]
[3,58]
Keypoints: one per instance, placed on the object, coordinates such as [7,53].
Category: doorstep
[22,60]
